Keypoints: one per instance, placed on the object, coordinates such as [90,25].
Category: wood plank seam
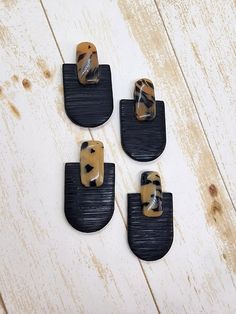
[117,204]
[3,305]
[45,259]
[191,96]
[132,17]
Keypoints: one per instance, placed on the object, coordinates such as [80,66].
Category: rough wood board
[148,53]
[46,265]
[202,34]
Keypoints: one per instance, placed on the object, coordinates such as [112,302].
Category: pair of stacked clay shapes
[89,185]
[89,103]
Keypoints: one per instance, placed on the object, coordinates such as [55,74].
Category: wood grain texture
[46,266]
[3,309]
[187,172]
[203,37]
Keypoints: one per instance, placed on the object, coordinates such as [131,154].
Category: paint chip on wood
[15,78]
[27,84]
[44,68]
[15,112]
[216,208]
[213,190]
[47,74]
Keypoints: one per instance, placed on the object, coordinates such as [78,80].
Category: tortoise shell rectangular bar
[145,104]
[87,63]
[92,163]
[151,194]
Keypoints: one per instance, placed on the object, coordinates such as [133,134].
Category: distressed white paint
[203,36]
[46,266]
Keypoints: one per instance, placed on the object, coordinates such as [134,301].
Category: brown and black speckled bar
[150,238]
[88,209]
[142,140]
[87,105]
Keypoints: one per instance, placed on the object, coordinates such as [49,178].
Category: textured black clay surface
[142,140]
[150,238]
[90,105]
[88,209]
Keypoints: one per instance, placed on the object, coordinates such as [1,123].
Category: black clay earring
[150,219]
[89,189]
[87,88]
[142,123]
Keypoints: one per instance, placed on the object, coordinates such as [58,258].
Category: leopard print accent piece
[151,194]
[87,63]
[145,104]
[92,163]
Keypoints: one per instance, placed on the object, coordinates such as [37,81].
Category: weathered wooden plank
[203,37]
[46,265]
[197,275]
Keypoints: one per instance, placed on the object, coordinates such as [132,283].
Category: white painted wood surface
[48,267]
[202,34]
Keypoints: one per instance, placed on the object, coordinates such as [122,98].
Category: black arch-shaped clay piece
[88,209]
[150,238]
[142,140]
[87,105]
